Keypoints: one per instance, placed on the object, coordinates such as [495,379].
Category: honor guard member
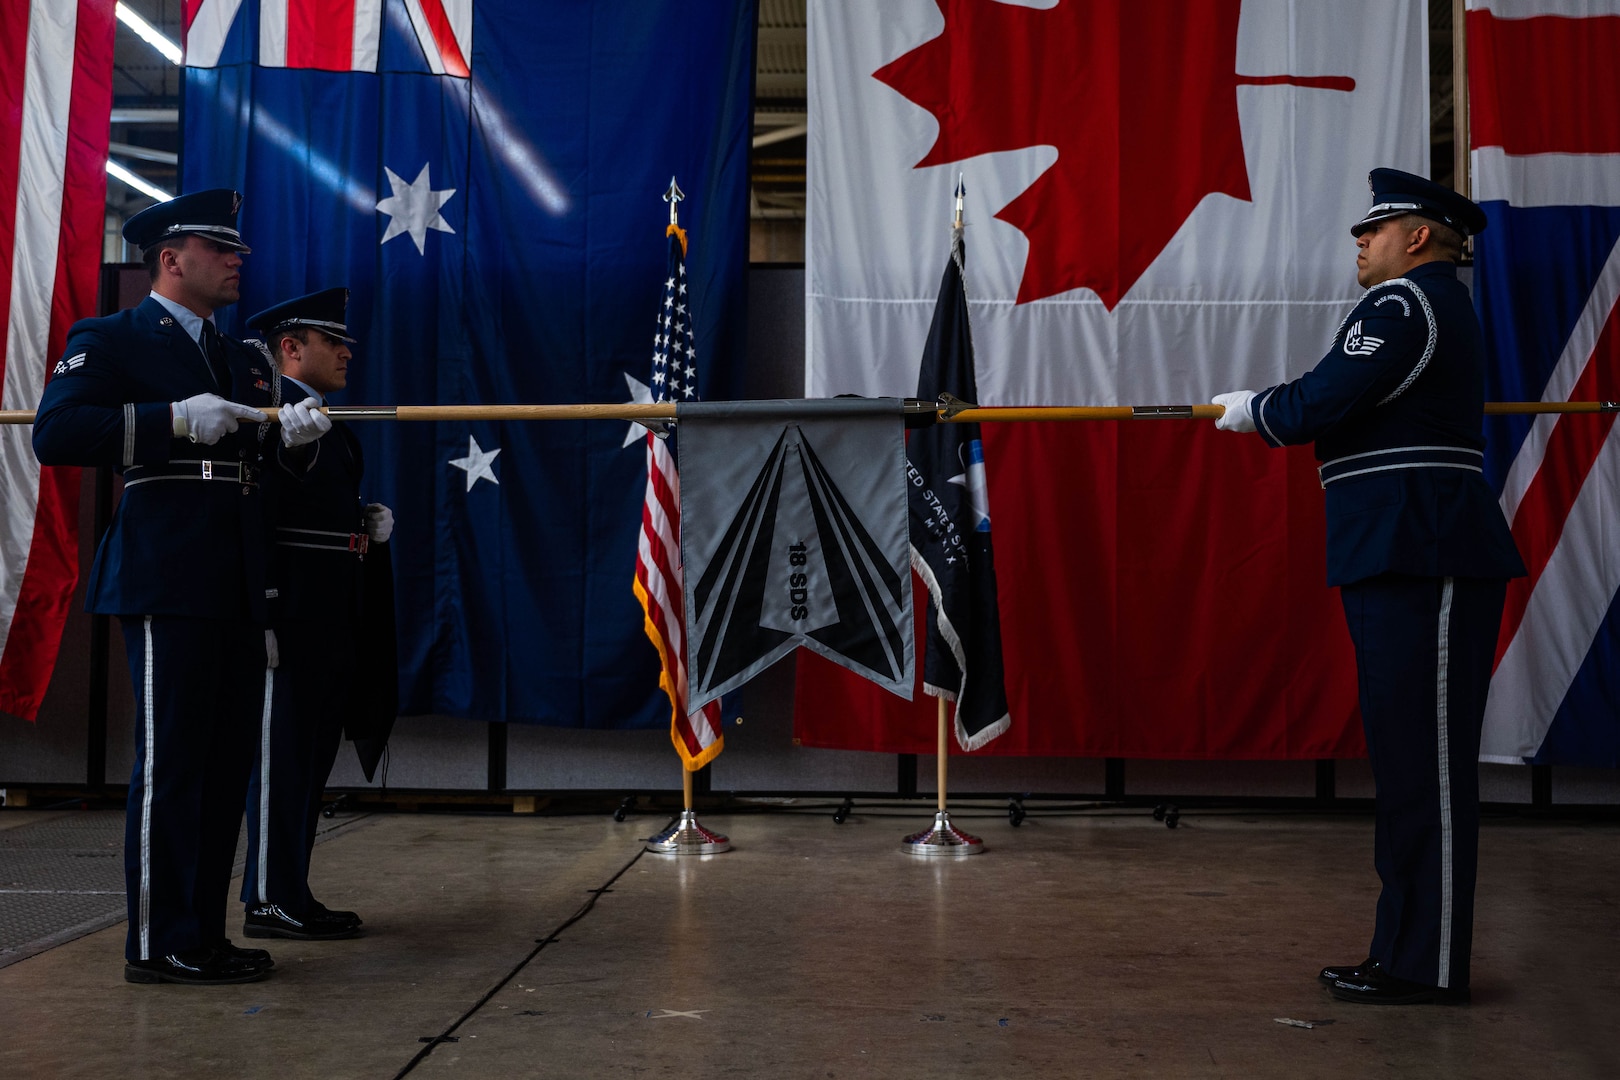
[322,535]
[159,394]
[1421,553]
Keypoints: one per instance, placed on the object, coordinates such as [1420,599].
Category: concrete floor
[1086,945]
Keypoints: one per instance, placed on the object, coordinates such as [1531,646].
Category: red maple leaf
[1139,99]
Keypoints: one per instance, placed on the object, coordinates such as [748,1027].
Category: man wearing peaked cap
[1420,551]
[159,394]
[328,560]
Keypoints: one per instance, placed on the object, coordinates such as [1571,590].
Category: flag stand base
[687,837]
[942,838]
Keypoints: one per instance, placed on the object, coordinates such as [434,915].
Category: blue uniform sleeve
[85,419]
[1380,349]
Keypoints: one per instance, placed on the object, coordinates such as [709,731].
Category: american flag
[1545,140]
[55,93]
[658,555]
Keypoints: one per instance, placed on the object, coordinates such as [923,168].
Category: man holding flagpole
[158,393]
[1418,546]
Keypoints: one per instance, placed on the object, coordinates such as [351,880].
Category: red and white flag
[55,108]
[1158,200]
[1544,119]
[331,35]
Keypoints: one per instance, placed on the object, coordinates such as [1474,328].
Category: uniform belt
[1401,457]
[231,472]
[323,540]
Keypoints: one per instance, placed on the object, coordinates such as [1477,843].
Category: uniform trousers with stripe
[200,688]
[295,753]
[1424,649]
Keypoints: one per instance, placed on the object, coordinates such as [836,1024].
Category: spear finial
[673,196]
[961,191]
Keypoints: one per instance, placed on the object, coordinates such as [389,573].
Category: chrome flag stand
[942,838]
[686,836]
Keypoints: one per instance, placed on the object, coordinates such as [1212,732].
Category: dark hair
[150,256]
[1446,240]
[296,331]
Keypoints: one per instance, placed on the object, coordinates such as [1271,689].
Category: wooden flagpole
[971,415]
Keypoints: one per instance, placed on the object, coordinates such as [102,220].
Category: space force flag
[950,529]
[793,532]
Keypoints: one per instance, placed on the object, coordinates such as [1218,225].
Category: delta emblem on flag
[1544,114]
[1159,206]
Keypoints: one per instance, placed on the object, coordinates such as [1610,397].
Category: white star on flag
[414,208]
[477,463]
[640,394]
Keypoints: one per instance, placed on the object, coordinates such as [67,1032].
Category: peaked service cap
[1396,193]
[323,310]
[210,214]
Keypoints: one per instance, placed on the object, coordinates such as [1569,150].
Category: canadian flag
[55,100]
[1158,201]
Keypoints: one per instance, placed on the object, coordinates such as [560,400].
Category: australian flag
[483,175]
[950,529]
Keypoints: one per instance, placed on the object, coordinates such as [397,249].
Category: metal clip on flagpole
[942,838]
[686,836]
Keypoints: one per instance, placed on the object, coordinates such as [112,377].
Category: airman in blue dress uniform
[157,393]
[1421,553]
[322,536]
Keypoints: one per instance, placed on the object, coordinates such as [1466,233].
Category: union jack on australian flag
[1544,104]
[658,582]
[478,173]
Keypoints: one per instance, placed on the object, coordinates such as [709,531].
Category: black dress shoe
[320,910]
[1334,972]
[1378,987]
[198,967]
[273,920]
[227,947]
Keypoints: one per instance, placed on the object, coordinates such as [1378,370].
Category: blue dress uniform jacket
[320,542]
[1418,544]
[1395,409]
[178,545]
[184,565]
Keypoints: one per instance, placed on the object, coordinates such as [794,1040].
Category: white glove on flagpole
[303,423]
[1238,417]
[379,523]
[208,418]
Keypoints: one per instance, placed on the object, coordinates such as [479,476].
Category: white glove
[379,523]
[1238,417]
[208,418]
[303,423]
[272,650]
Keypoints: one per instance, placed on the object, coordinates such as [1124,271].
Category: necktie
[214,350]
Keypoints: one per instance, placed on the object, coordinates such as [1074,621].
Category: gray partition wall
[457,755]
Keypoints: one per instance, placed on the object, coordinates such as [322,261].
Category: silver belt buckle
[208,469]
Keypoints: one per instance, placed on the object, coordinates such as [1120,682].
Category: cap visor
[1372,219]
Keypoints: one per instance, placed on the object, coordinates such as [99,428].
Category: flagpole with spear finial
[943,837]
[685,835]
